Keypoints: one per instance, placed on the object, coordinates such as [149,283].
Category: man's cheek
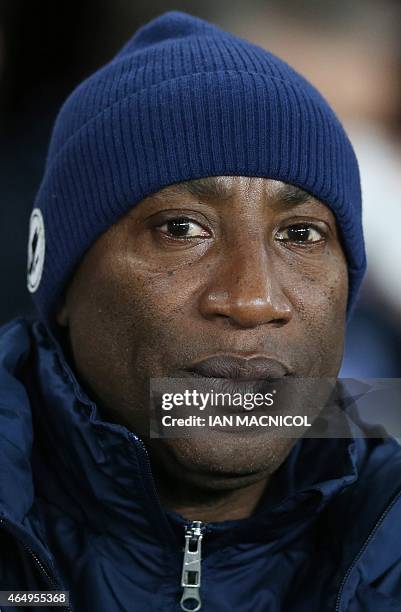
[319,297]
[161,298]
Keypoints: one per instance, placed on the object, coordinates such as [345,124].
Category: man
[199,217]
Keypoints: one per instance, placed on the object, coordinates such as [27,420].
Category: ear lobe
[62,316]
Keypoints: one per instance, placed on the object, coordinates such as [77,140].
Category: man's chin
[220,461]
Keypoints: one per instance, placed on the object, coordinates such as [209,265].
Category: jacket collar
[99,473]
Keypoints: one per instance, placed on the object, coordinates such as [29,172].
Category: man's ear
[62,314]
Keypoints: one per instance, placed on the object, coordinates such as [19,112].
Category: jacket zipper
[191,568]
[42,570]
[363,548]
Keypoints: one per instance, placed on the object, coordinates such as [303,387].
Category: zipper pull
[191,568]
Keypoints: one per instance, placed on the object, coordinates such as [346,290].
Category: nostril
[278,322]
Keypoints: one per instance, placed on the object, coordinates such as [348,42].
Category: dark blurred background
[350,49]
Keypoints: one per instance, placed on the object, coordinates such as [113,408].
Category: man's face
[246,267]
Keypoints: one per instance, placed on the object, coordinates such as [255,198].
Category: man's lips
[239,368]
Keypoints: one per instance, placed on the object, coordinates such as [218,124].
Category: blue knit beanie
[183,100]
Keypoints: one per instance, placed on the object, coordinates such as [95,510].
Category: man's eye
[182,228]
[300,233]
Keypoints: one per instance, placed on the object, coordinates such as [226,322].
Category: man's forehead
[224,187]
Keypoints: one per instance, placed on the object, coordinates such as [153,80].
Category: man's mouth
[223,385]
[236,368]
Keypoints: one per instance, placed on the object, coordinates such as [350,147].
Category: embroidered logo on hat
[36,250]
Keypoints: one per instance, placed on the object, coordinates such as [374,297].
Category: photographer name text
[237,420]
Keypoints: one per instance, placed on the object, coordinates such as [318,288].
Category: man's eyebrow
[290,194]
[203,188]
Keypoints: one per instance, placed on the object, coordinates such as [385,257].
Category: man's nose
[244,289]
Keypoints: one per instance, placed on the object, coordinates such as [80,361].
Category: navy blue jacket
[79,511]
